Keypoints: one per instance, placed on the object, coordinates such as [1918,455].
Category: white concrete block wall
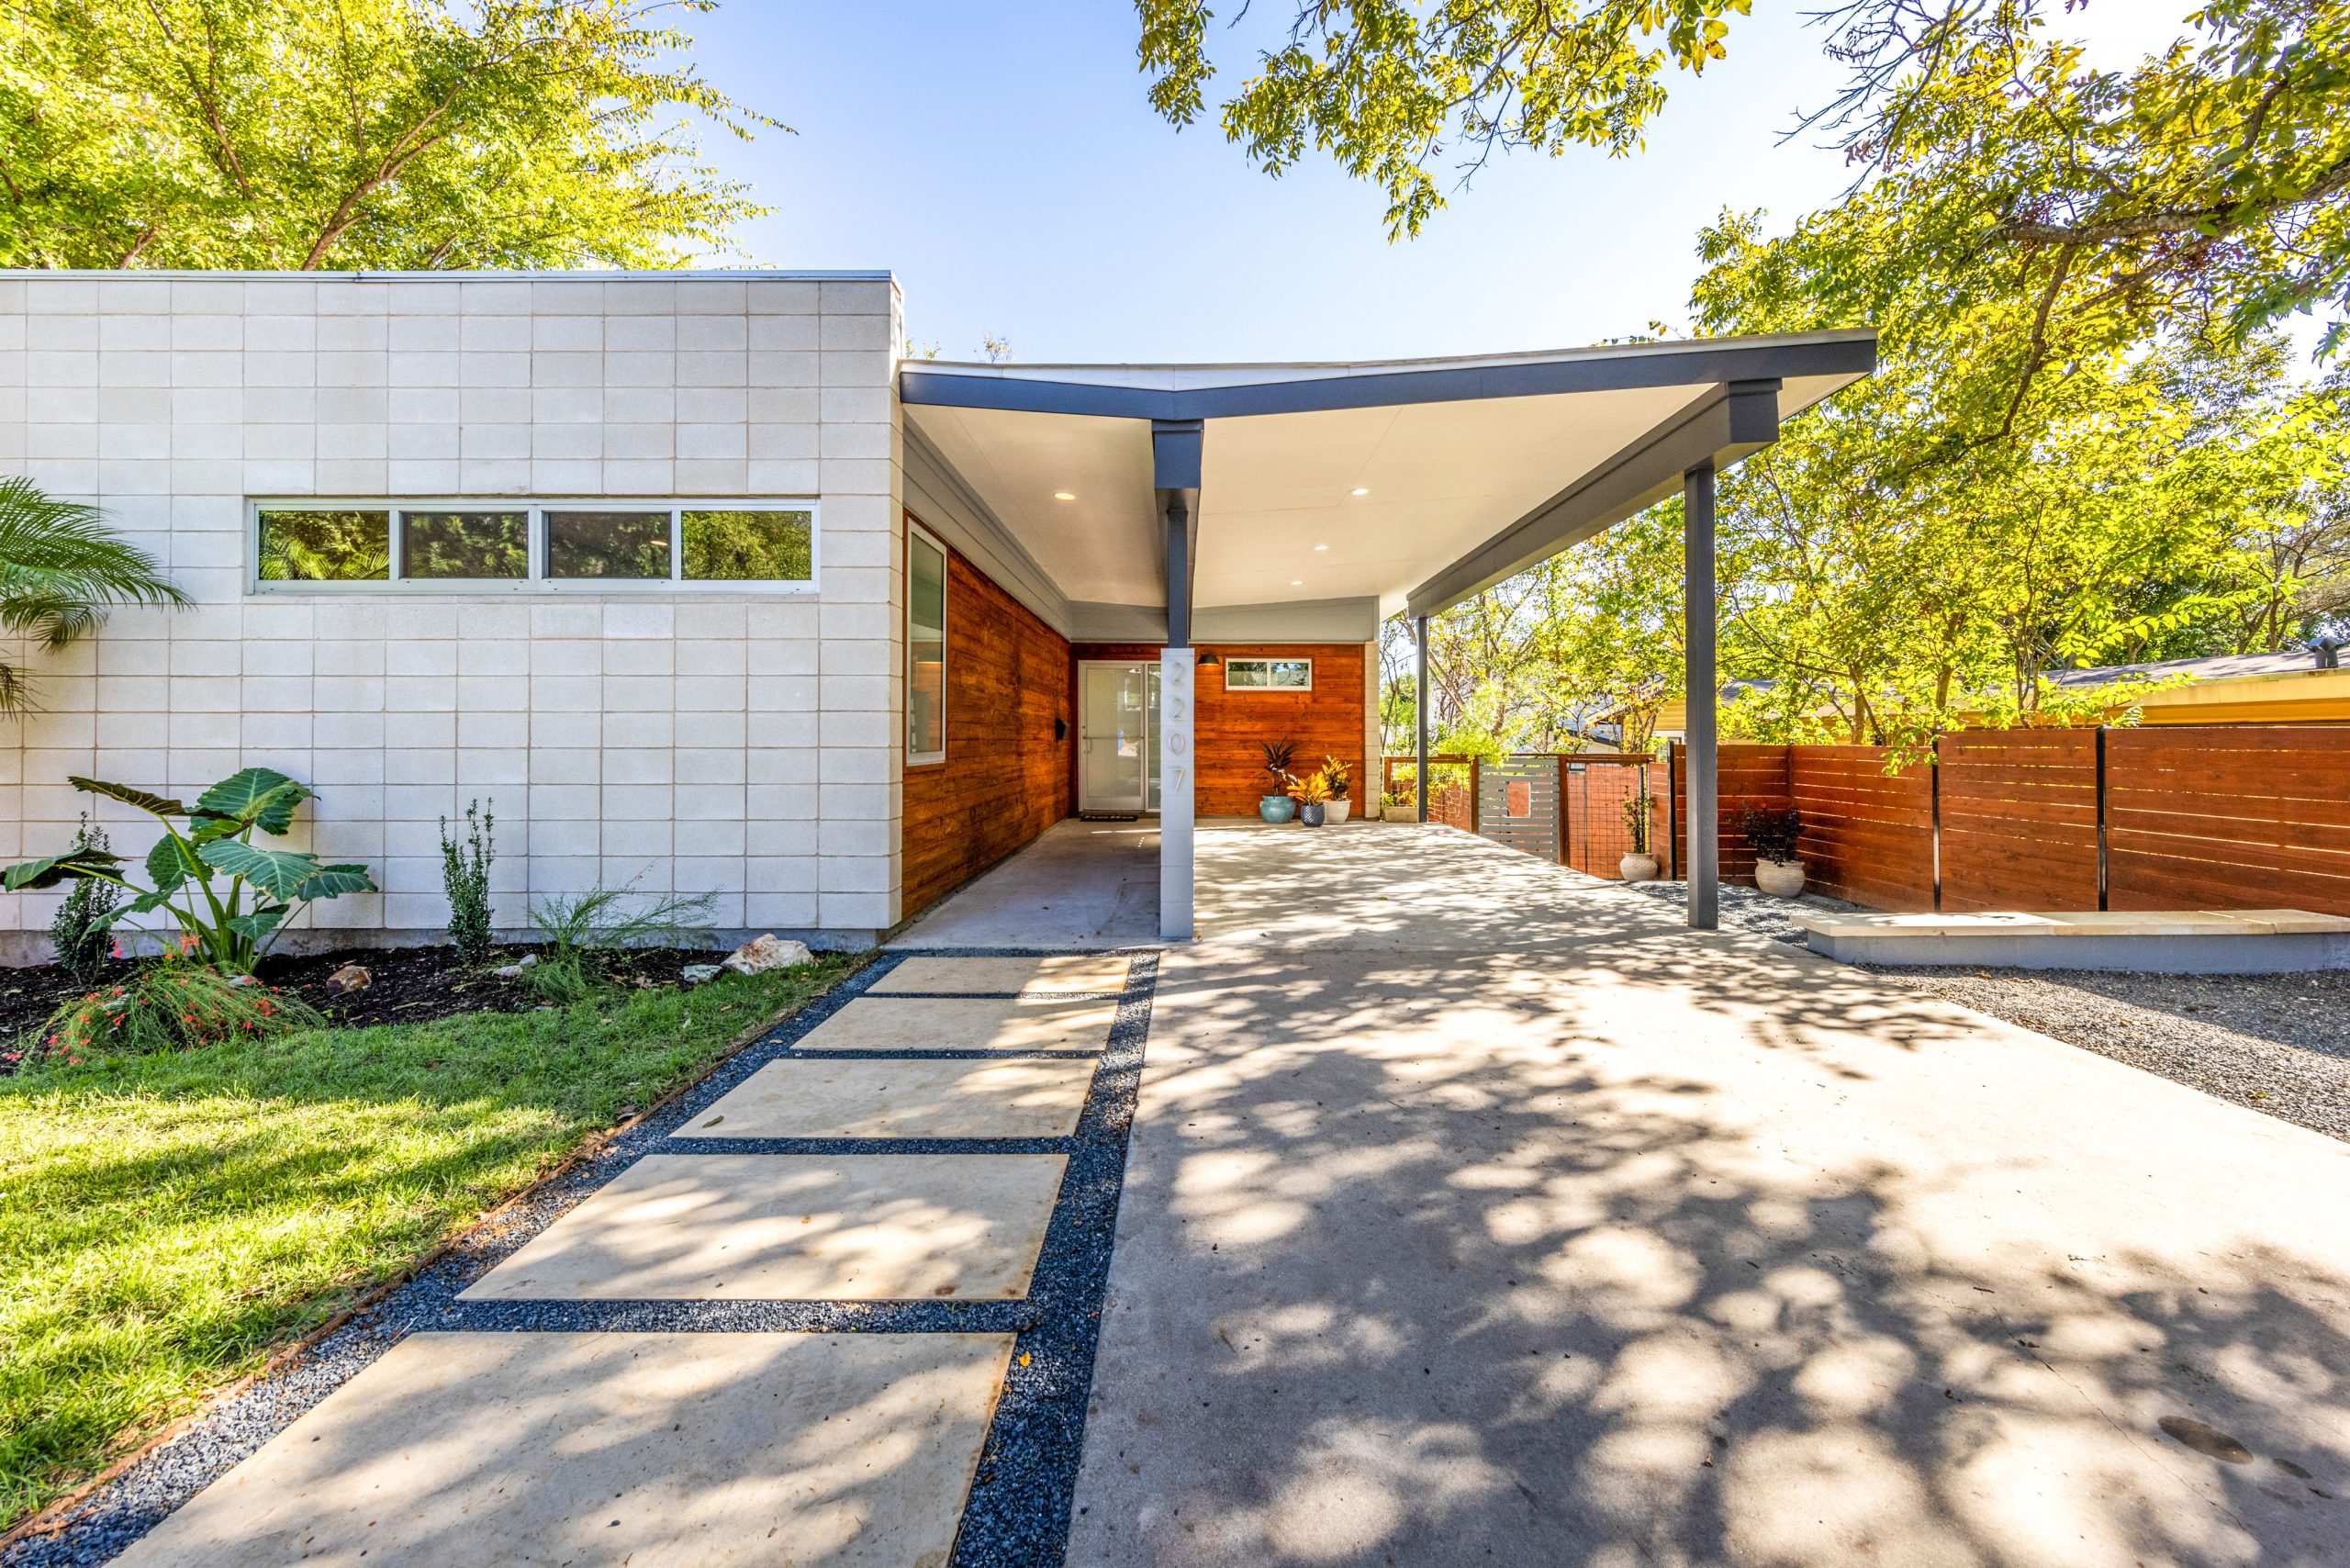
[738,745]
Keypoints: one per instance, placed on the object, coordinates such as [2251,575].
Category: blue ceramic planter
[1276,808]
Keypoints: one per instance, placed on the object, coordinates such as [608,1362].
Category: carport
[1170,503]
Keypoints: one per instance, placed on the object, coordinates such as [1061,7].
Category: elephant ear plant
[229,895]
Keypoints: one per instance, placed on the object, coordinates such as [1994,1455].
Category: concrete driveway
[1477,1212]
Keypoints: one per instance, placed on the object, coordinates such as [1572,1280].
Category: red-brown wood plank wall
[1006,779]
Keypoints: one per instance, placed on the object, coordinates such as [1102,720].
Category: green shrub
[172,1003]
[83,929]
[203,877]
[464,872]
[583,929]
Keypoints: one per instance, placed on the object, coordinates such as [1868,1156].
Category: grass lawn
[167,1222]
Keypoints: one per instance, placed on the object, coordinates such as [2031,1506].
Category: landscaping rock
[348,978]
[515,971]
[761,954]
[699,974]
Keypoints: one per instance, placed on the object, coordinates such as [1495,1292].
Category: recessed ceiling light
[1321,546]
[1064,495]
[1361,490]
[1297,582]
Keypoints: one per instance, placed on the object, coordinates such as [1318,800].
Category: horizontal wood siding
[2019,820]
[1005,779]
[2222,817]
[1867,837]
[1746,776]
[1230,726]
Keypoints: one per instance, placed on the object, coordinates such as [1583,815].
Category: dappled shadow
[615,1448]
[1652,1249]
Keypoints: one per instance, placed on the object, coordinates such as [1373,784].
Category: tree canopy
[251,134]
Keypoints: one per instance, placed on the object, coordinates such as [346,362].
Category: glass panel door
[1117,714]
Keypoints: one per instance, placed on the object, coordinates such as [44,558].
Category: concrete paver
[1030,976]
[654,1450]
[857,1097]
[911,1024]
[796,1228]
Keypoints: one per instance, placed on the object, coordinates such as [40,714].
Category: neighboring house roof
[2219,666]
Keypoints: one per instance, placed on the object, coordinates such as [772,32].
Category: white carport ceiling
[1445,469]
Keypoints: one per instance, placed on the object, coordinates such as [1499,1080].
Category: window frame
[946,616]
[535,509]
[1268,660]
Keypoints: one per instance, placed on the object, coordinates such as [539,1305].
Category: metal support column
[1705,817]
[1420,710]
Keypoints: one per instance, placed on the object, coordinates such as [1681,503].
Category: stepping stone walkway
[813,1183]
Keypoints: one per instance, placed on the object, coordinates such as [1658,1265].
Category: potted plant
[1639,866]
[1395,807]
[1312,793]
[1339,781]
[1774,832]
[1276,806]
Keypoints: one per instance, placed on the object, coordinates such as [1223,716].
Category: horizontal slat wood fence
[2216,817]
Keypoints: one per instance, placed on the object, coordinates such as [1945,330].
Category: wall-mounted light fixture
[1209,661]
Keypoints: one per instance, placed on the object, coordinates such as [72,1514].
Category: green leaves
[377,134]
[73,865]
[257,795]
[186,870]
[156,805]
[1388,87]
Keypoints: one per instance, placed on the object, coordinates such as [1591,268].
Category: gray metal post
[1420,710]
[1705,818]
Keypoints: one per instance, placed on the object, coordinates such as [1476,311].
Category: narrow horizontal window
[325,546]
[1268,675]
[620,545]
[464,545]
[582,544]
[749,546]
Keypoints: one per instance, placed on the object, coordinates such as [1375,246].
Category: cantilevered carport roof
[1410,484]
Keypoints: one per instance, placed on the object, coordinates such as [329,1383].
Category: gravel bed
[2279,1043]
[1020,1502]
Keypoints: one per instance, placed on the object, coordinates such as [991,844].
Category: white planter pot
[1638,868]
[1338,812]
[1780,879]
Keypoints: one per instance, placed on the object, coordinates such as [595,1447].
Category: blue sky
[1002,160]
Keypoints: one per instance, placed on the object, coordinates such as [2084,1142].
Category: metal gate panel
[1517,804]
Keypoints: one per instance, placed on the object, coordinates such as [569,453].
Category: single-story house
[702,587]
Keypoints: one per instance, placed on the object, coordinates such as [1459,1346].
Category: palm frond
[61,566]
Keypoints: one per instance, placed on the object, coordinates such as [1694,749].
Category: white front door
[1117,728]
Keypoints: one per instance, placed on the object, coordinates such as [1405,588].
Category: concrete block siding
[737,743]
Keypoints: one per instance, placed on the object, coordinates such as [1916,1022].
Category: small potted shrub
[1276,806]
[1340,782]
[1395,807]
[1639,865]
[1774,832]
[1312,800]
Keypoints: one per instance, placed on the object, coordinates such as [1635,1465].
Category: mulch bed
[407,985]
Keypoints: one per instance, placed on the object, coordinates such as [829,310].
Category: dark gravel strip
[1018,1514]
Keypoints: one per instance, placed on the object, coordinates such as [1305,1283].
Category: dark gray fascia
[1697,366]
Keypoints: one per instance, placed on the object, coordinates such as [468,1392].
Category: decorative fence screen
[2184,817]
[1564,807]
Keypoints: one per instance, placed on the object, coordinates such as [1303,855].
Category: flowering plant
[177,1003]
